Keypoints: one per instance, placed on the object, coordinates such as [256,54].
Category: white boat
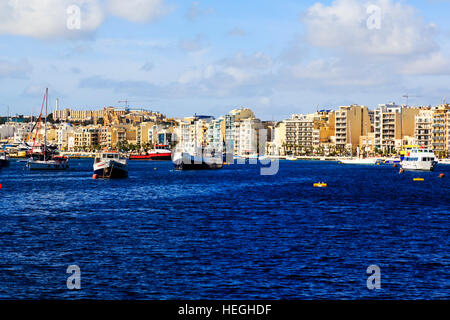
[444,161]
[46,158]
[109,164]
[291,158]
[60,164]
[419,159]
[358,160]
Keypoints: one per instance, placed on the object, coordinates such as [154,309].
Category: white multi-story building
[6,131]
[246,136]
[63,131]
[22,131]
[391,123]
[216,133]
[300,134]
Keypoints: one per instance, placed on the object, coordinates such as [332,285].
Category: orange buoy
[395,165]
[1,186]
[95,176]
[440,176]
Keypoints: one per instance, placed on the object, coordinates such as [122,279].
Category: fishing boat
[159,153]
[110,165]
[47,157]
[4,159]
[419,159]
[191,161]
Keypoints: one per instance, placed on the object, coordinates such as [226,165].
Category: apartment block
[423,128]
[391,122]
[351,122]
[441,129]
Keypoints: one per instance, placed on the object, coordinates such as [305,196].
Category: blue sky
[185,57]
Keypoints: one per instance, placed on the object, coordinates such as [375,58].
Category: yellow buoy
[418,179]
[320,185]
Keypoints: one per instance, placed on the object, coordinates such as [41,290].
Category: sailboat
[46,158]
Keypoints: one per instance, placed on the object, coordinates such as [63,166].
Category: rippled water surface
[226,234]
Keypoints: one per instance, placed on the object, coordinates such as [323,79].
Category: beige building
[351,122]
[391,122]
[441,129]
[86,137]
[367,144]
[423,130]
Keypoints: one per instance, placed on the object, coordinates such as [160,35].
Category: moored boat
[4,159]
[189,161]
[419,159]
[368,161]
[46,158]
[159,153]
[444,161]
[392,161]
[110,165]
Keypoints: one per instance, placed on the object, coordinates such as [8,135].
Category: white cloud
[343,25]
[48,18]
[138,10]
[435,64]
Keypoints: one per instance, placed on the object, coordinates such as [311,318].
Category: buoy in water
[95,176]
[155,168]
[418,179]
[320,185]
[1,186]
[401,170]
[440,176]
[395,165]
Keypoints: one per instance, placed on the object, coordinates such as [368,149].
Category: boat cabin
[107,155]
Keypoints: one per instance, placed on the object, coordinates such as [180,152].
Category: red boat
[160,152]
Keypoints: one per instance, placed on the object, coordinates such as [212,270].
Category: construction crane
[126,102]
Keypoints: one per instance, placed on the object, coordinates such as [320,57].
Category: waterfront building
[367,144]
[62,132]
[86,137]
[232,126]
[7,131]
[246,140]
[441,129]
[391,122]
[216,133]
[300,134]
[351,122]
[277,145]
[423,129]
[22,131]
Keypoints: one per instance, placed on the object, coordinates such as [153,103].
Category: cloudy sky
[207,57]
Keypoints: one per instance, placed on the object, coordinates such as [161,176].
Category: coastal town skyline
[278,59]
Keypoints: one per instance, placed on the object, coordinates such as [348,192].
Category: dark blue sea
[225,234]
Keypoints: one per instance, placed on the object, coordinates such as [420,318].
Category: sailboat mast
[45,125]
